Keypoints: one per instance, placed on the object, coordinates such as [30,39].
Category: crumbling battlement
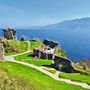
[9,34]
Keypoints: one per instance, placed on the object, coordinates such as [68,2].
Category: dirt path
[28,48]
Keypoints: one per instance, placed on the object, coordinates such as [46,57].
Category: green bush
[61,53]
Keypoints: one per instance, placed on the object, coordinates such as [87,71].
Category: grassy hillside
[61,53]
[36,61]
[35,44]
[84,76]
[19,77]
[9,82]
[14,47]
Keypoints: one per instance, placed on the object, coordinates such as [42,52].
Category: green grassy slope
[81,77]
[84,76]
[14,47]
[29,79]
[35,44]
[36,61]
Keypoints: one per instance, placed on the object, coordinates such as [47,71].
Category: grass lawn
[84,76]
[36,61]
[26,78]
[35,44]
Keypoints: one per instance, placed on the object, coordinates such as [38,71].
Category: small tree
[62,53]
[22,39]
[84,63]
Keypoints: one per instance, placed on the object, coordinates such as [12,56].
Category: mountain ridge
[83,23]
[75,24]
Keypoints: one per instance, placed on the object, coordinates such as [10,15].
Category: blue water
[75,43]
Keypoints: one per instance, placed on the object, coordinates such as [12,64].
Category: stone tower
[1,52]
[10,34]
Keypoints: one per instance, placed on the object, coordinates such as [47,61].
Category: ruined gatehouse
[9,34]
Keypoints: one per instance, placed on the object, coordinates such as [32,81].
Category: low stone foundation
[43,55]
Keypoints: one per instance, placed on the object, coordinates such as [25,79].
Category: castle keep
[9,34]
[1,52]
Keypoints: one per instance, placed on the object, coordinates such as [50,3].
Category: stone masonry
[1,52]
[47,50]
[66,64]
[10,34]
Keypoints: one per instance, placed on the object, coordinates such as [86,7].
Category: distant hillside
[76,24]
[83,23]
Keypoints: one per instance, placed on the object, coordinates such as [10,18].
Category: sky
[25,13]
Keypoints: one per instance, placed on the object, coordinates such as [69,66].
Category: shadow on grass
[84,73]
[31,55]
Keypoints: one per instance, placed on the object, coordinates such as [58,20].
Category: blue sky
[18,13]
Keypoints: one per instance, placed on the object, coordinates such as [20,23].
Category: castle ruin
[10,34]
[47,50]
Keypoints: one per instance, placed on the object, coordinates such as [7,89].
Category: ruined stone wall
[47,51]
[1,52]
[50,43]
[66,64]
[43,55]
